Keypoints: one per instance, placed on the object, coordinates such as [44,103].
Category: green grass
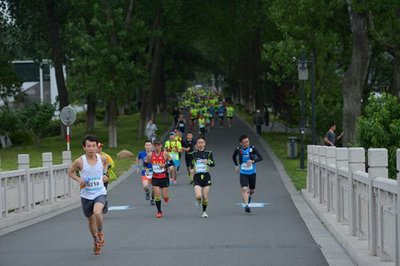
[127,139]
[278,143]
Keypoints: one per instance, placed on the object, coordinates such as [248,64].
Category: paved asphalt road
[273,235]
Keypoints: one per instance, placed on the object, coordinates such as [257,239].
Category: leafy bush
[379,127]
[21,137]
[36,119]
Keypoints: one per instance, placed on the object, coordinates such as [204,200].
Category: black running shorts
[88,205]
[202,180]
[248,181]
[160,182]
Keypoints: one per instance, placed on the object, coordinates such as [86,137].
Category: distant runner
[248,157]
[158,159]
[146,170]
[188,145]
[174,147]
[202,159]
[230,111]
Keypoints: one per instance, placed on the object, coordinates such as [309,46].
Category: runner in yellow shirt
[230,111]
[174,148]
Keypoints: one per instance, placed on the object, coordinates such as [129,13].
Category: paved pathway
[273,235]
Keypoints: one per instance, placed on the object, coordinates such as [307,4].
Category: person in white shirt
[92,168]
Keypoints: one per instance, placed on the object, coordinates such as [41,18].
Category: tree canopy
[129,54]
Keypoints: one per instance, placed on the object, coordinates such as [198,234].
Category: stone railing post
[310,167]
[330,160]
[47,159]
[67,159]
[377,167]
[397,216]
[316,170]
[322,161]
[342,160]
[356,163]
[23,164]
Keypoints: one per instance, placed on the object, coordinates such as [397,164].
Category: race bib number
[158,169]
[149,174]
[174,156]
[93,183]
[201,168]
[181,125]
[247,167]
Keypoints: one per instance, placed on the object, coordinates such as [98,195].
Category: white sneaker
[197,204]
[204,215]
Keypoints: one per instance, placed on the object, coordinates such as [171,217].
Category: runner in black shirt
[202,159]
[188,145]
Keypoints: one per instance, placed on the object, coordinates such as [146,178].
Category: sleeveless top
[93,177]
[156,160]
[244,168]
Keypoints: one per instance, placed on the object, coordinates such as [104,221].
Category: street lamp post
[314,133]
[303,75]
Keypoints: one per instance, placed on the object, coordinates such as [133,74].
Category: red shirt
[156,160]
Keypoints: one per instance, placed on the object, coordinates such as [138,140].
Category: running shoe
[101,241]
[166,200]
[159,215]
[96,248]
[152,202]
[247,209]
[197,204]
[204,215]
[147,195]
[174,182]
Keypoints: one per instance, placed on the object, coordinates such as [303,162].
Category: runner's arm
[257,157]
[105,168]
[234,157]
[74,168]
[210,161]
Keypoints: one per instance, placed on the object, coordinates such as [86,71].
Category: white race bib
[247,167]
[157,169]
[181,125]
[149,174]
[201,168]
[174,156]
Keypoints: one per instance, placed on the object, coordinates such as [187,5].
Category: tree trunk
[148,102]
[90,113]
[112,126]
[57,53]
[396,75]
[356,75]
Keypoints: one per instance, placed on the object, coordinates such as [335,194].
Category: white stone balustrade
[365,201]
[27,193]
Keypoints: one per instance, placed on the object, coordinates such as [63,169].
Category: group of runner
[159,166]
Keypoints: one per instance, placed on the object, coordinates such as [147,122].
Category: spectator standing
[258,121]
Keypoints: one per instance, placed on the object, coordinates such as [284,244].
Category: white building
[38,81]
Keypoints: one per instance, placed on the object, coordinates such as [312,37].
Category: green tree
[379,126]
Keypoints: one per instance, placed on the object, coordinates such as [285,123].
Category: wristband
[106,174]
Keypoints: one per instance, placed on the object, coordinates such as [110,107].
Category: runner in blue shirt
[248,156]
[146,170]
